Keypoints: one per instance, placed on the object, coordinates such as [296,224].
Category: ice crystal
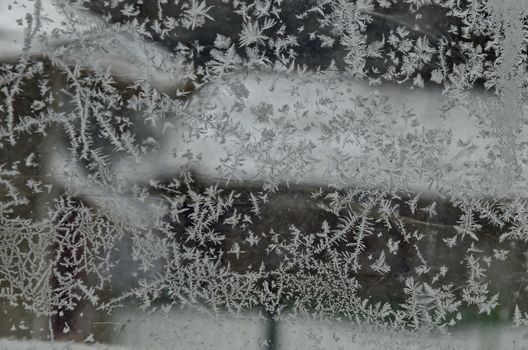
[353,160]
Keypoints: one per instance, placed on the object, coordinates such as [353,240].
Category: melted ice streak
[322,129]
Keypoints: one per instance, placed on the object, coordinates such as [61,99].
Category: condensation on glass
[268,174]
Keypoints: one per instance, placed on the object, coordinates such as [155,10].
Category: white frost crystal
[349,162]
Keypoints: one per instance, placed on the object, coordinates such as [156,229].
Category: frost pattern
[284,157]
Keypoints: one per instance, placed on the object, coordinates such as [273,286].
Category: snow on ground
[183,330]
[188,330]
[300,334]
[12,344]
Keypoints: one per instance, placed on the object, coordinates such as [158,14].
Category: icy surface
[279,174]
